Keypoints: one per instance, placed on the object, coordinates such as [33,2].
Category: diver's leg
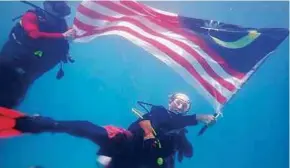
[83,129]
[13,120]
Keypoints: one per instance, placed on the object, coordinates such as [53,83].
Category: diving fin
[7,122]
[8,133]
[10,113]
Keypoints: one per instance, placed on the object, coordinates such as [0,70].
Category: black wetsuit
[82,129]
[24,59]
[171,131]
[129,152]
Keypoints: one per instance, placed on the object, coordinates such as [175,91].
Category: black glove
[185,148]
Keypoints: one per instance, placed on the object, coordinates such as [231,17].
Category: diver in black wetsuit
[171,134]
[131,148]
[37,43]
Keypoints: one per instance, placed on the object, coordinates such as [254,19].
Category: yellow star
[253,34]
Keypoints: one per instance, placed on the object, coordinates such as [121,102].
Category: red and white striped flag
[210,64]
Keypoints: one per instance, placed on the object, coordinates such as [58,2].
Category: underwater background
[110,74]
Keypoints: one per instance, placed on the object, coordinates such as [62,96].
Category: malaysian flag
[214,57]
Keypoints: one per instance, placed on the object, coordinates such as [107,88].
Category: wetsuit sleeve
[178,122]
[82,129]
[159,115]
[30,25]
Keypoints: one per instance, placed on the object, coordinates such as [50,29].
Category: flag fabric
[215,58]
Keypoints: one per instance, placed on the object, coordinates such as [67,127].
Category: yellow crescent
[240,43]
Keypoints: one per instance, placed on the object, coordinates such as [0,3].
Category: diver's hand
[205,118]
[70,34]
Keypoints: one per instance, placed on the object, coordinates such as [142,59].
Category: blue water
[110,74]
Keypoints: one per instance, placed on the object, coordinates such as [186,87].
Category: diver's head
[179,103]
[58,8]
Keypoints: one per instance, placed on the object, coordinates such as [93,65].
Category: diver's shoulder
[158,108]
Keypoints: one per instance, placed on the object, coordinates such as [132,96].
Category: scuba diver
[136,147]
[162,126]
[36,44]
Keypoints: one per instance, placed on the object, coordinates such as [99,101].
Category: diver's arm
[30,24]
[159,115]
[178,122]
